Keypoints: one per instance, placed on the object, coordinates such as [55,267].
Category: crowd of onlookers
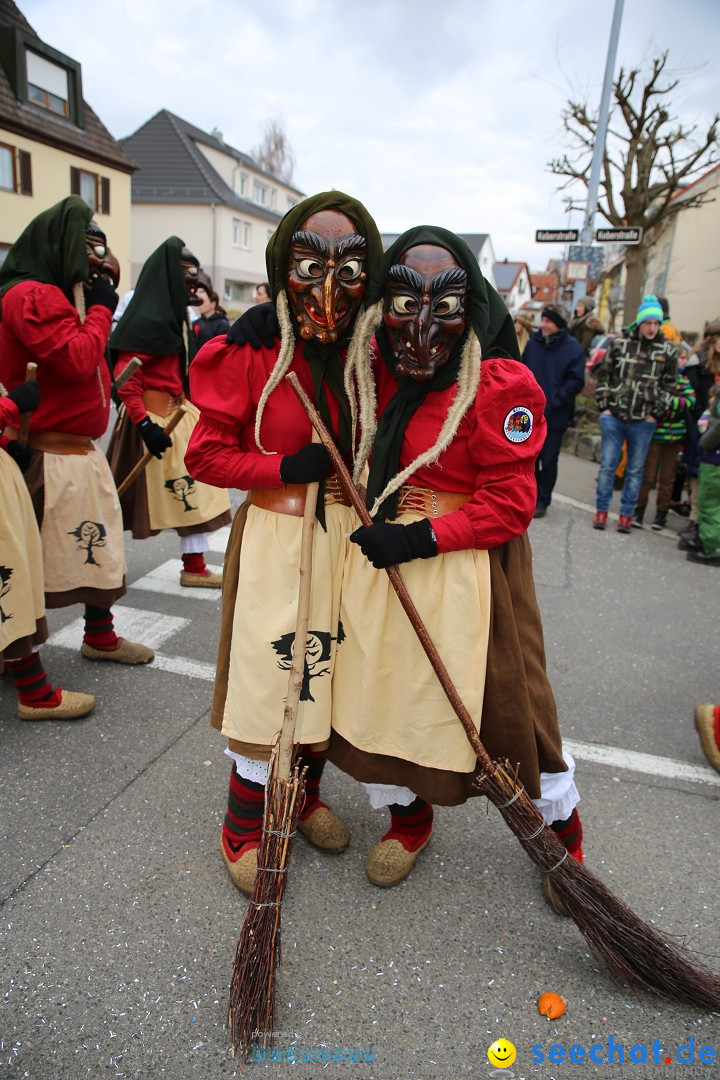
[659,414]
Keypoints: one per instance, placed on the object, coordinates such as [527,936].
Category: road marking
[165,579]
[150,627]
[183,665]
[217,541]
[649,764]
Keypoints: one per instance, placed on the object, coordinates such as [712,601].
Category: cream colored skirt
[264,626]
[386,697]
[82,532]
[174,498]
[22,595]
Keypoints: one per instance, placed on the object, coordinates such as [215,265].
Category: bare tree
[649,157]
[274,154]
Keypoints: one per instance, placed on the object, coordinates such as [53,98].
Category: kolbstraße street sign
[628,235]
[557,236]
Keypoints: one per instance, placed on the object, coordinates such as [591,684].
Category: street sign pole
[600,136]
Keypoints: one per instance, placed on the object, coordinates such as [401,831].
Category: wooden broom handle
[395,577]
[297,668]
[148,455]
[24,429]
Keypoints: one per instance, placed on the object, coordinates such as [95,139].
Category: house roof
[93,141]
[173,170]
[684,192]
[506,274]
[475,241]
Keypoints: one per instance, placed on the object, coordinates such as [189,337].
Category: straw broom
[637,954]
[251,1010]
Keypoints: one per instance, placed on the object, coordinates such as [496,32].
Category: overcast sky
[440,112]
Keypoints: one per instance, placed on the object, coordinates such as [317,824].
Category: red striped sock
[31,682]
[99,629]
[242,827]
[571,833]
[195,563]
[315,764]
[411,825]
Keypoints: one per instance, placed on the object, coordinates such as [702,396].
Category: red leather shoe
[624,523]
[600,519]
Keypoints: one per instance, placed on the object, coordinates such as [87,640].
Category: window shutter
[104,194]
[25,172]
[74,180]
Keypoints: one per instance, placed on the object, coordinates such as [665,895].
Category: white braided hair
[360,385]
[282,364]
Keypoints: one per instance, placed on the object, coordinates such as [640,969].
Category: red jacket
[9,414]
[493,453]
[156,373]
[40,325]
[226,383]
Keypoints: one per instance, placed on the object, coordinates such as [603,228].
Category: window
[246,235]
[241,233]
[94,189]
[15,170]
[47,83]
[261,193]
[234,290]
[243,183]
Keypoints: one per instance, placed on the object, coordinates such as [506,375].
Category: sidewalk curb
[582,445]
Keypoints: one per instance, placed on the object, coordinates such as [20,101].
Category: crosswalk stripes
[165,579]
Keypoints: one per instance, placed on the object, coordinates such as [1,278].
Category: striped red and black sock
[31,682]
[315,764]
[194,563]
[571,833]
[99,629]
[716,725]
[411,825]
[242,827]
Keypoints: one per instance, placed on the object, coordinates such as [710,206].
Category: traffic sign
[630,235]
[557,236]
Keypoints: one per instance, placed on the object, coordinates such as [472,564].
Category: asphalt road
[119,922]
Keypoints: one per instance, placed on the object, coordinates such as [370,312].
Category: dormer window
[47,84]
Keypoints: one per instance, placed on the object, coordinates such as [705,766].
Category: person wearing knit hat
[254,435]
[556,314]
[441,400]
[636,382]
[557,362]
[585,325]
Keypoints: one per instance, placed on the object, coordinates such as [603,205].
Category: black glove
[387,545]
[101,292]
[311,463]
[26,396]
[257,326]
[154,437]
[21,455]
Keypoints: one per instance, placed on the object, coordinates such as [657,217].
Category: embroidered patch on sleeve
[518,424]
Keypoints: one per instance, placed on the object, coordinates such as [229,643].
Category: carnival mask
[326,275]
[101,261]
[191,275]
[424,310]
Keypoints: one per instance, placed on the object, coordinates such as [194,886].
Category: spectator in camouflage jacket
[635,384]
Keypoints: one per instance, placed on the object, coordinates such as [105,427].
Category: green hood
[153,320]
[51,249]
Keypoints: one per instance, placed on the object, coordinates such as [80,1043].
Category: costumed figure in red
[451,488]
[253,434]
[23,626]
[58,287]
[155,328]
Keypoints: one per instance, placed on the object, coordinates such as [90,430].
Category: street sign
[590,253]
[630,235]
[577,271]
[557,236]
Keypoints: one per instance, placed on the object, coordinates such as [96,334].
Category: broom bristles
[636,953]
[251,1008]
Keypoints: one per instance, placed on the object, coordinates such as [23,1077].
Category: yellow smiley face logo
[501,1054]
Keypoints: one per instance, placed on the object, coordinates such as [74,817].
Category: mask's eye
[310,268]
[447,305]
[351,270]
[405,305]
[98,249]
[191,271]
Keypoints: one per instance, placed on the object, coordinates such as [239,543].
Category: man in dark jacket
[557,362]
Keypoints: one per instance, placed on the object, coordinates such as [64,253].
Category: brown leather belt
[413,499]
[290,499]
[160,402]
[56,442]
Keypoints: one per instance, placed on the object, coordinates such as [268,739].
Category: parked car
[598,348]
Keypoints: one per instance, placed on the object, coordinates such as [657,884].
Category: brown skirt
[124,451]
[519,715]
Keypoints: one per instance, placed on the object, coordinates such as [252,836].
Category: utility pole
[586,234]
